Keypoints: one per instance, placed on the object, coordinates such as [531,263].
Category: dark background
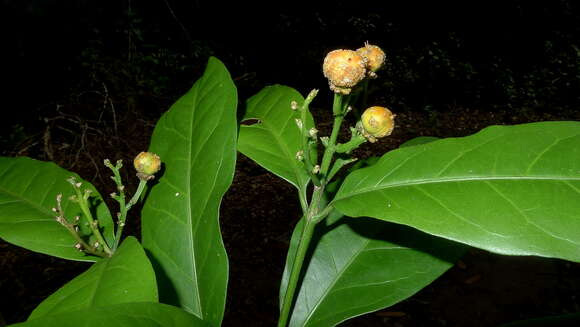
[87,80]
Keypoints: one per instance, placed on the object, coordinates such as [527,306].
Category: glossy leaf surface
[196,141]
[507,189]
[28,190]
[125,277]
[144,314]
[363,265]
[274,139]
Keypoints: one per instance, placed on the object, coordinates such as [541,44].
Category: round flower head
[377,122]
[375,58]
[344,69]
[147,163]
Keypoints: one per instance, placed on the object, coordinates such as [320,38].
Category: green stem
[303,199]
[84,246]
[307,232]
[314,213]
[355,141]
[124,208]
[305,238]
[331,148]
[337,104]
[308,162]
[338,109]
[83,203]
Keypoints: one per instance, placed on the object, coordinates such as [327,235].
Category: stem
[330,149]
[124,209]
[303,199]
[338,108]
[84,246]
[306,148]
[337,104]
[307,232]
[314,213]
[305,238]
[355,141]
[83,203]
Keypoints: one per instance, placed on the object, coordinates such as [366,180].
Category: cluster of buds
[92,241]
[344,69]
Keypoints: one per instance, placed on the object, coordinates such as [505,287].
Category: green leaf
[275,139]
[507,189]
[125,277]
[363,265]
[28,190]
[419,140]
[142,314]
[196,141]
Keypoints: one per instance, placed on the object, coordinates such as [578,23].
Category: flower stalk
[82,198]
[344,70]
[146,165]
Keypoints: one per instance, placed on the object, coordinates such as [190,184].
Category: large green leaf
[125,277]
[507,189]
[196,141]
[144,314]
[274,139]
[28,190]
[363,265]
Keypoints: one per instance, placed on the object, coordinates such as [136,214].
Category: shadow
[240,113]
[167,292]
[403,236]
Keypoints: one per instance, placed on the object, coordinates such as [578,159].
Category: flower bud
[344,69]
[147,163]
[375,58]
[377,122]
[294,105]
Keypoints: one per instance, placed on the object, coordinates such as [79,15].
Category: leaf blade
[274,141]
[142,314]
[26,200]
[125,277]
[507,189]
[196,141]
[363,265]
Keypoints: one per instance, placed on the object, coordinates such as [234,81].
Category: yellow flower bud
[375,58]
[344,69]
[147,163]
[377,122]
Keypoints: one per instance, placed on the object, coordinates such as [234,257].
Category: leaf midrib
[341,196]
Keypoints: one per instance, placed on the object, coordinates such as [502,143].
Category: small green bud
[300,155]
[147,163]
[294,105]
[311,95]
[344,69]
[316,169]
[298,123]
[313,132]
[377,122]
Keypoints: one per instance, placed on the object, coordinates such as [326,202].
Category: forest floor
[259,212]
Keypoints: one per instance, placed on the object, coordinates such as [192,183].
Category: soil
[259,212]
